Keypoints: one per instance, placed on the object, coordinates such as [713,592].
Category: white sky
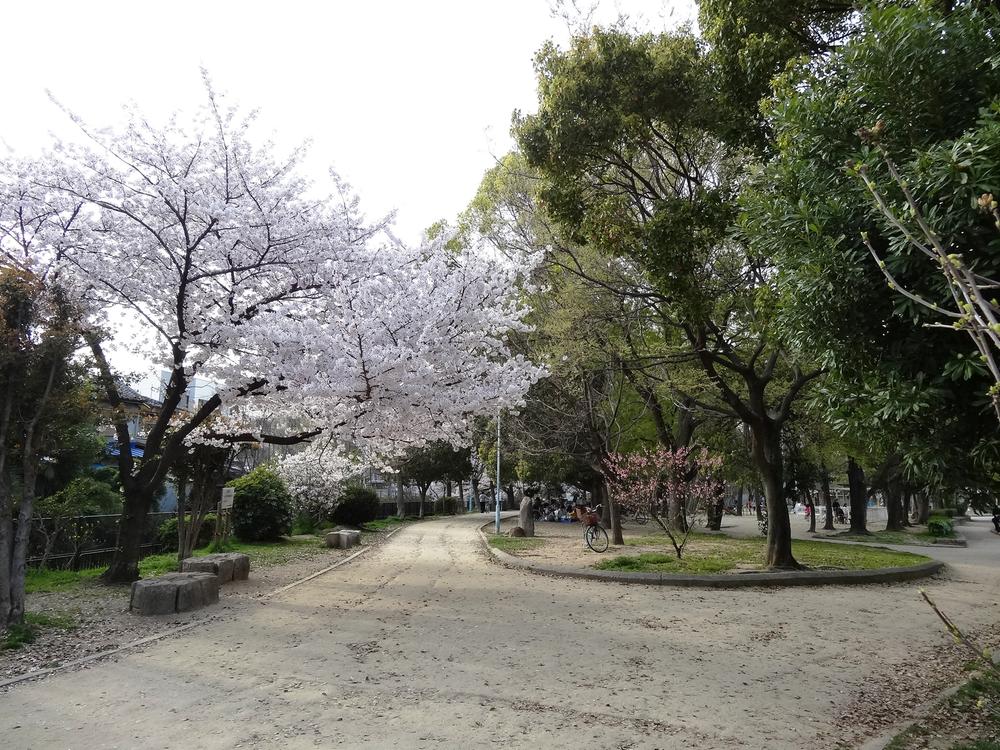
[409,100]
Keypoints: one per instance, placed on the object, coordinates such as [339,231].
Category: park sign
[227,498]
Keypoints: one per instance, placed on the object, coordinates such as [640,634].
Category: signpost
[224,516]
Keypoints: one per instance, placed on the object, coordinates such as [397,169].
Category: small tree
[656,480]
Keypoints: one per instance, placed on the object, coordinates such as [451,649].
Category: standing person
[482,503]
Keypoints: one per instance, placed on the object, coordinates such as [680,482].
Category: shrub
[304,524]
[961,508]
[166,534]
[945,512]
[447,506]
[941,527]
[262,507]
[357,506]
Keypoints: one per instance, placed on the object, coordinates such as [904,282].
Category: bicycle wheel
[597,538]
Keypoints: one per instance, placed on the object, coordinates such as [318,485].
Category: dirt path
[425,643]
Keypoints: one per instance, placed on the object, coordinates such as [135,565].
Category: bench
[174,592]
[343,539]
[226,566]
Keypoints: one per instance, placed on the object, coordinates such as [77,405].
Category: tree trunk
[895,518]
[461,496]
[739,501]
[859,497]
[423,499]
[824,488]
[616,515]
[447,488]
[182,519]
[923,502]
[22,535]
[526,518]
[766,453]
[509,492]
[125,565]
[475,495]
[675,514]
[907,497]
[400,497]
[812,512]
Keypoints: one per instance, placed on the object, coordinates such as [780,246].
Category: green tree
[634,143]
[437,461]
[907,394]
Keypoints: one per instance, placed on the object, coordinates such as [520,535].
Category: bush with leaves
[940,527]
[166,534]
[262,506]
[358,505]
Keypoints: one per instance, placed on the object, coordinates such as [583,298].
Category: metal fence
[87,542]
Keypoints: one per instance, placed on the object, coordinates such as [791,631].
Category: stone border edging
[180,628]
[730,581]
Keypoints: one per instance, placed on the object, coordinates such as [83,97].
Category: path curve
[428,643]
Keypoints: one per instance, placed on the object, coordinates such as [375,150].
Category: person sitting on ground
[996,519]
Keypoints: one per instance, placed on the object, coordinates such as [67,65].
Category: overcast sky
[409,101]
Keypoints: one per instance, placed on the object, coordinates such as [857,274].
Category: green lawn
[514,544]
[709,553]
[922,538]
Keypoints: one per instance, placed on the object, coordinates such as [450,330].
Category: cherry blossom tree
[315,478]
[658,479]
[217,259]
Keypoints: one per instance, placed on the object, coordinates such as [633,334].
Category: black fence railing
[85,542]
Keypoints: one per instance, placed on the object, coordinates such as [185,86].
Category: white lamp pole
[498,470]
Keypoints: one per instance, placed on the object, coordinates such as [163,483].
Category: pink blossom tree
[209,251]
[659,479]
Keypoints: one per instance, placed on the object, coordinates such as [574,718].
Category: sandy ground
[425,642]
[103,621]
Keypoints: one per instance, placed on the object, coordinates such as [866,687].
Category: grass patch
[50,620]
[921,538]
[971,712]
[515,544]
[381,524]
[47,581]
[17,636]
[712,553]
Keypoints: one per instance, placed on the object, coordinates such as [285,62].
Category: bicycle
[594,535]
[641,517]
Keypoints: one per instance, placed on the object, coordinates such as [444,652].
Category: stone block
[174,592]
[227,566]
[354,535]
[153,597]
[241,566]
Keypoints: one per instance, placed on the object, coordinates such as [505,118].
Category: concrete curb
[180,628]
[729,581]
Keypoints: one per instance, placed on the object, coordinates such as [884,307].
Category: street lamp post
[498,471]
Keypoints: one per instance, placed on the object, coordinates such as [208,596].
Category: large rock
[526,519]
[174,592]
[227,566]
[344,539]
